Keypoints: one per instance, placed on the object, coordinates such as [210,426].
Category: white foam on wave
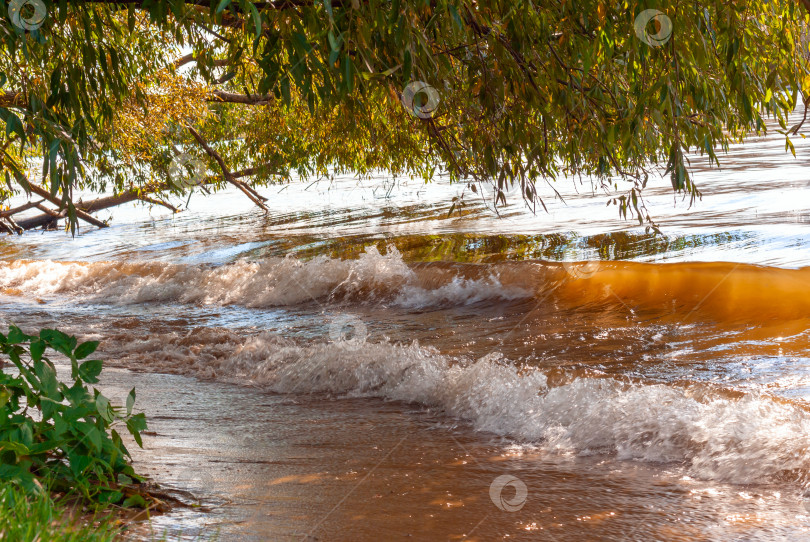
[741,440]
[458,291]
[267,283]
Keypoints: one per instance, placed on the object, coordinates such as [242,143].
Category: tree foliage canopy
[104,95]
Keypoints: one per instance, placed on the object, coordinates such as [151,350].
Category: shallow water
[356,362]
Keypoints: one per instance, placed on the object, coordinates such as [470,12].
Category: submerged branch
[20,209]
[41,192]
[50,217]
[120,199]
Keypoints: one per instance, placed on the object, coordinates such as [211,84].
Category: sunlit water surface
[357,365]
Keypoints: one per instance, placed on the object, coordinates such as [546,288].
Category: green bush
[58,435]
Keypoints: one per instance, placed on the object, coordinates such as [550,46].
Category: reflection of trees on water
[467,247]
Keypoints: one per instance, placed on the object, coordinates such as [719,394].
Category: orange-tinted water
[355,365]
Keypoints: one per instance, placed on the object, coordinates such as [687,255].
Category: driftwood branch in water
[51,212]
[38,221]
[106,202]
[50,217]
[14,226]
[41,192]
[20,209]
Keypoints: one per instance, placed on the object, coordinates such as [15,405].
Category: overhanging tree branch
[226,172]
[189,58]
[230,97]
[13,98]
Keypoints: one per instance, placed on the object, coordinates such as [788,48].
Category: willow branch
[247,99]
[13,98]
[226,173]
[189,58]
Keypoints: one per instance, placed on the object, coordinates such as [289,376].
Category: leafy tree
[105,95]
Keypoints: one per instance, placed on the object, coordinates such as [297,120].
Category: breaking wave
[731,437]
[720,291]
[275,282]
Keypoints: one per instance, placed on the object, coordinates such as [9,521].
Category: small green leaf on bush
[89,370]
[136,424]
[15,335]
[62,343]
[21,475]
[111,497]
[27,435]
[19,449]
[130,401]
[104,408]
[47,378]
[92,434]
[124,479]
[37,349]
[76,394]
[85,349]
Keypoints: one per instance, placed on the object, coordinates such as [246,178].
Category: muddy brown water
[355,365]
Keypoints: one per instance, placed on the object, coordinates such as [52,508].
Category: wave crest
[741,439]
[270,283]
